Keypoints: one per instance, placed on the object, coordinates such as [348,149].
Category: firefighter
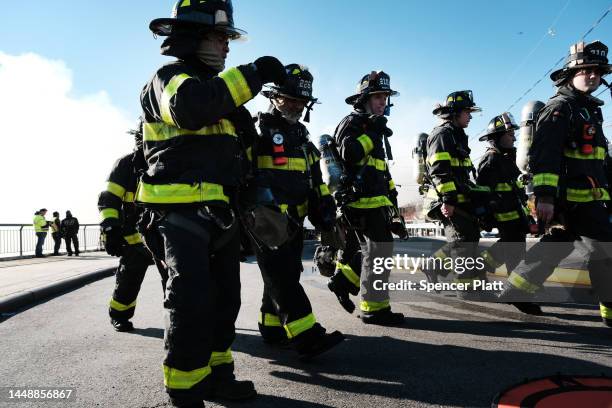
[195,135]
[119,218]
[567,158]
[498,171]
[449,168]
[287,163]
[368,200]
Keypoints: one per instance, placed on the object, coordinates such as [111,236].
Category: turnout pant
[128,279]
[588,228]
[462,235]
[72,239]
[57,242]
[369,238]
[285,309]
[510,248]
[202,299]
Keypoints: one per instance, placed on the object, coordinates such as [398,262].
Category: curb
[20,300]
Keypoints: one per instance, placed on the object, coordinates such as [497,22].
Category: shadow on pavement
[431,373]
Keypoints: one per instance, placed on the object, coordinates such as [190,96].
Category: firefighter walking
[195,136]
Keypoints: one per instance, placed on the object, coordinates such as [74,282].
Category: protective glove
[114,242]
[270,69]
[378,125]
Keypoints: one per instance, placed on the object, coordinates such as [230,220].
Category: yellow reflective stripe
[237,86]
[519,184]
[391,185]
[218,358]
[606,312]
[180,193]
[366,143]
[293,164]
[249,153]
[115,189]
[371,202]
[380,165]
[367,306]
[298,327]
[446,187]
[503,187]
[348,273]
[507,216]
[159,132]
[521,283]
[323,190]
[546,179]
[599,153]
[313,158]
[302,209]
[109,213]
[586,195]
[129,197]
[438,157]
[169,91]
[133,239]
[269,320]
[461,198]
[490,260]
[184,380]
[120,307]
[185,3]
[440,254]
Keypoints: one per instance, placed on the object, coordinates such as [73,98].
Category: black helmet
[298,84]
[581,56]
[498,126]
[457,101]
[209,15]
[372,83]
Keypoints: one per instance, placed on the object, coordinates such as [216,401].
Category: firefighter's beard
[290,115]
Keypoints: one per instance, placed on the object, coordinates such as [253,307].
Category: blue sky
[428,48]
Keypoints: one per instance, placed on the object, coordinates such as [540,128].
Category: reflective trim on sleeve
[578,195]
[323,190]
[366,144]
[367,306]
[378,164]
[446,187]
[503,187]
[237,86]
[297,327]
[521,283]
[183,380]
[120,307]
[180,193]
[391,185]
[546,179]
[249,153]
[115,189]
[128,197]
[169,91]
[218,358]
[133,239]
[293,164]
[109,213]
[438,157]
[507,216]
[160,132]
[371,202]
[606,312]
[599,153]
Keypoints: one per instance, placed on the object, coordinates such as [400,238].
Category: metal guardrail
[19,240]
[426,229]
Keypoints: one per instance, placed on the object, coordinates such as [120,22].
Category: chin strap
[308,109]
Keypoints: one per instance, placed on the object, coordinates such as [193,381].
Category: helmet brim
[352,100]
[163,27]
[275,91]
[560,74]
[442,110]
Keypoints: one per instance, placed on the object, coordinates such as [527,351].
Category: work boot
[274,336]
[230,389]
[338,285]
[384,317]
[529,308]
[121,325]
[315,341]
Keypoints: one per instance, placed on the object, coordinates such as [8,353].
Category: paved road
[450,352]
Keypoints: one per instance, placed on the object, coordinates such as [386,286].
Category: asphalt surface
[449,353]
